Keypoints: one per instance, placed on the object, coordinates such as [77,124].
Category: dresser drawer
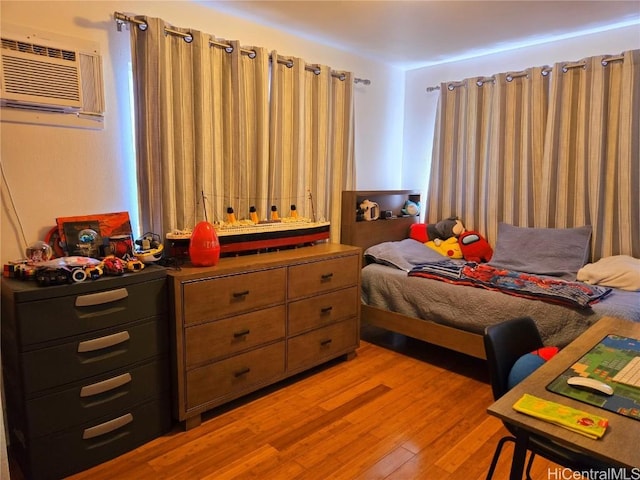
[320,345]
[235,375]
[94,354]
[97,397]
[64,316]
[213,298]
[323,309]
[209,341]
[317,277]
[81,447]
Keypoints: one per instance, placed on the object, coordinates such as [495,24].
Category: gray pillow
[557,252]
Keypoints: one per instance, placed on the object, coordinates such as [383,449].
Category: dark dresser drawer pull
[326,276]
[101,297]
[242,333]
[240,294]
[107,427]
[106,385]
[103,342]
[242,372]
[326,310]
[326,342]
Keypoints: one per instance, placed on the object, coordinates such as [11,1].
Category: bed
[454,316]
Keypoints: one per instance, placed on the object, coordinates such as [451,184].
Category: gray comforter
[386,285]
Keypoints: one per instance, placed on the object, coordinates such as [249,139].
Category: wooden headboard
[364,234]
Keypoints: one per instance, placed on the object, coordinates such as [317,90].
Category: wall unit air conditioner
[43,76]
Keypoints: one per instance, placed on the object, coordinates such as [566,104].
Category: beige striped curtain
[487,153]
[311,146]
[218,129]
[202,127]
[560,150]
[592,154]
[239,177]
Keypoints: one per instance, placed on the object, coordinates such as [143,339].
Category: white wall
[420,106]
[56,171]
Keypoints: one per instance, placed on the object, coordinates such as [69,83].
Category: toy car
[134,265]
[94,272]
[113,265]
[52,276]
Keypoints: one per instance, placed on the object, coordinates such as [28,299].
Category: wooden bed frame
[365,234]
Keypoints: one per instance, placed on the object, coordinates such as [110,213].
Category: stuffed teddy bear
[474,247]
[436,232]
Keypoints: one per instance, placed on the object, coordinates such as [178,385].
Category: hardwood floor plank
[304,429]
[467,446]
[416,469]
[386,465]
[244,464]
[321,447]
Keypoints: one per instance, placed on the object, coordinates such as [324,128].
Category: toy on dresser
[237,235]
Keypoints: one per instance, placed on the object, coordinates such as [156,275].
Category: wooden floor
[401,409]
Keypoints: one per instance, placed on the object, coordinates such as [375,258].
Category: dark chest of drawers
[85,368]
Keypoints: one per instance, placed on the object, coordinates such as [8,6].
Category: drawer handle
[326,276]
[240,294]
[242,333]
[106,385]
[101,297]
[103,342]
[107,427]
[326,310]
[326,342]
[242,372]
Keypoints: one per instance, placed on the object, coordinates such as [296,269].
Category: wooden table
[620,444]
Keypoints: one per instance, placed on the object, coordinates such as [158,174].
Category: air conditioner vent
[32,77]
[41,50]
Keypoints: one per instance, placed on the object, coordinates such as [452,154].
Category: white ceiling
[412,34]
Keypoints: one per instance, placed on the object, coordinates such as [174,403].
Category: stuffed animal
[411,208]
[436,232]
[528,363]
[474,247]
[449,247]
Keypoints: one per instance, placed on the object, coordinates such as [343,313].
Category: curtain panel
[218,129]
[592,154]
[540,149]
[487,154]
[312,158]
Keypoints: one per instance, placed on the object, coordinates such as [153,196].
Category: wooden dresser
[86,369]
[255,319]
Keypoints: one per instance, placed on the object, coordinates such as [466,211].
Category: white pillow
[618,271]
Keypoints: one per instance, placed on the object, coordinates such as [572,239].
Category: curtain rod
[121,18]
[606,59]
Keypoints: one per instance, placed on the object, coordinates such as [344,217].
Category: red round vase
[204,247]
